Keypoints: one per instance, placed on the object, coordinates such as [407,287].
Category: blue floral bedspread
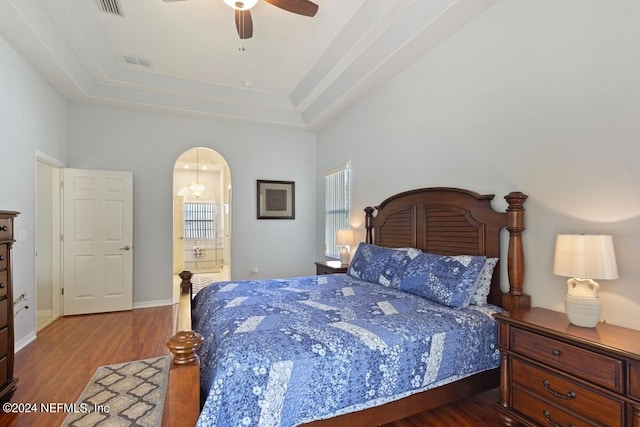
[284,352]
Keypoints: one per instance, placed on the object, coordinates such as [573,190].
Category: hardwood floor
[56,367]
[477,411]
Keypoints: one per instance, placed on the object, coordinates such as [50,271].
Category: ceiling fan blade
[244,24]
[300,7]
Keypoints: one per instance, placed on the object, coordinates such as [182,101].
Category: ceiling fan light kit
[241,5]
[244,22]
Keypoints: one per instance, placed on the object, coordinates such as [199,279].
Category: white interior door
[98,241]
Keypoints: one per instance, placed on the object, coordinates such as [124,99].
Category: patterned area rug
[126,394]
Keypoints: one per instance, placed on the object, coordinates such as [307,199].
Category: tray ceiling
[186,57]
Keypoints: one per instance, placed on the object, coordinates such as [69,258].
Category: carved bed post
[367,223]
[182,400]
[183,345]
[185,285]
[515,298]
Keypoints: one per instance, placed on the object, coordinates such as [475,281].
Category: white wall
[148,144]
[32,119]
[538,96]
[541,97]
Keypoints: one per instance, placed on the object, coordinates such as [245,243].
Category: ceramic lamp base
[344,255]
[582,311]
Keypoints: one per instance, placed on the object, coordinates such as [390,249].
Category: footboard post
[515,298]
[186,286]
[182,401]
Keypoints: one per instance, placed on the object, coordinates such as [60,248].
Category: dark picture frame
[276,199]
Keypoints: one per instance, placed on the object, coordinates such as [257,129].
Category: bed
[399,363]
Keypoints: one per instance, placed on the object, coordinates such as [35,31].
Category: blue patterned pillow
[443,279]
[380,265]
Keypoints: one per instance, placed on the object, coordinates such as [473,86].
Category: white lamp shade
[345,237]
[588,256]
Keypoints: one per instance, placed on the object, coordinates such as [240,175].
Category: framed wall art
[276,199]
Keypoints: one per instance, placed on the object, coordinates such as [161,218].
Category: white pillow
[483,287]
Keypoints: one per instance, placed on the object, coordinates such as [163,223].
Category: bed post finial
[182,399]
[367,223]
[515,298]
[185,285]
[184,345]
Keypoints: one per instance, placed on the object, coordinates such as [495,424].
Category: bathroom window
[199,220]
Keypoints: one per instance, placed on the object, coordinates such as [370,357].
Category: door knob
[126,248]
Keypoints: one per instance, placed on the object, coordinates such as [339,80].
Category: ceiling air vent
[110,6]
[136,60]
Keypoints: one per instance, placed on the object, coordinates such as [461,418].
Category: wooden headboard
[452,221]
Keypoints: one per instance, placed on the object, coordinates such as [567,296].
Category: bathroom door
[97,241]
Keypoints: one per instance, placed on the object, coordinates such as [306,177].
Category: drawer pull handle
[552,423]
[556,352]
[1,257]
[569,395]
[2,285]
[4,228]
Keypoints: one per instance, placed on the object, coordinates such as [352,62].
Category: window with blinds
[199,220]
[337,188]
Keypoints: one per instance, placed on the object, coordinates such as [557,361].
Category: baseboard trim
[44,313]
[20,344]
[149,304]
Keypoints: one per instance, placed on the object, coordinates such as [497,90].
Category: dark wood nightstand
[330,267]
[555,373]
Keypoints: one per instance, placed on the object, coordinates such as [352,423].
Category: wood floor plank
[56,367]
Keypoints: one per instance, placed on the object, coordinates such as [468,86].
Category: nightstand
[330,267]
[554,373]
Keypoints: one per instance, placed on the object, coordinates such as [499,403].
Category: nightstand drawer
[544,413]
[567,394]
[330,267]
[590,366]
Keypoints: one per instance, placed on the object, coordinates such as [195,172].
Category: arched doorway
[201,217]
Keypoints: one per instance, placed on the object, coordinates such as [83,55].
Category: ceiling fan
[244,22]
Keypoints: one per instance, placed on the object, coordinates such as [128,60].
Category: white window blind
[337,188]
[199,220]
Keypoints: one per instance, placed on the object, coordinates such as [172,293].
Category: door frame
[55,256]
[224,200]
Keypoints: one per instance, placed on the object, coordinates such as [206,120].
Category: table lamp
[584,257]
[345,237]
